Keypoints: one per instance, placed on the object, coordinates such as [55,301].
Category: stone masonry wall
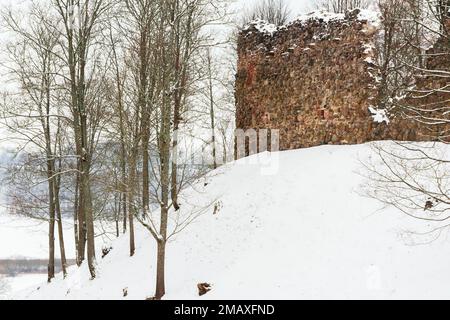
[314,81]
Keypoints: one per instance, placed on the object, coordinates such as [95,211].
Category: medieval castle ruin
[316,81]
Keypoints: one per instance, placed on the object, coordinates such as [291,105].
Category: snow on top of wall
[262,26]
[323,15]
[373,18]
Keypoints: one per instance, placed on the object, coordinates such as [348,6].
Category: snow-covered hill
[305,232]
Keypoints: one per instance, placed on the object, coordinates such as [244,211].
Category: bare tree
[276,12]
[212,107]
[411,85]
[413,178]
[341,6]
[81,20]
[143,44]
[177,43]
[410,176]
[119,77]
[120,88]
[215,105]
[37,119]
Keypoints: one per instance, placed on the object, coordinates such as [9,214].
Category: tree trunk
[165,190]
[51,199]
[117,210]
[85,191]
[81,228]
[90,236]
[75,220]
[60,230]
[160,271]
[85,161]
[143,106]
[174,175]
[124,212]
[87,211]
[132,244]
[181,79]
[131,197]
[211,112]
[81,249]
[123,156]
[145,170]
[51,233]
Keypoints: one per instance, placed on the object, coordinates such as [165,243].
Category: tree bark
[51,232]
[143,106]
[165,137]
[131,197]
[75,219]
[60,229]
[211,111]
[160,271]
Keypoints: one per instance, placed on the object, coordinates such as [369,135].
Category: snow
[323,15]
[30,238]
[24,281]
[369,48]
[369,16]
[301,230]
[9,286]
[369,60]
[379,115]
[264,27]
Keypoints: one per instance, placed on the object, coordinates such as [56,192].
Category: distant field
[15,267]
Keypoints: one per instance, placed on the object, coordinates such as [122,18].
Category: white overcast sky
[298,6]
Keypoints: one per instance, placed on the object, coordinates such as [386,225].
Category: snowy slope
[305,232]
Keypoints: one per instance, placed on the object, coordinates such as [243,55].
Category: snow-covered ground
[12,285]
[303,232]
[22,237]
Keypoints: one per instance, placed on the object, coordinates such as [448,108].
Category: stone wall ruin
[315,81]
